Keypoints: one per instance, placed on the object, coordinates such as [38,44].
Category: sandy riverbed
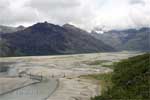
[9,84]
[68,68]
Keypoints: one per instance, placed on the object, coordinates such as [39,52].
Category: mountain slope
[46,38]
[5,49]
[141,41]
[131,39]
[8,29]
[84,40]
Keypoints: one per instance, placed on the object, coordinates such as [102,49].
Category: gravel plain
[67,69]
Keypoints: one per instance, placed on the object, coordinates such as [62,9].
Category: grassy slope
[130,80]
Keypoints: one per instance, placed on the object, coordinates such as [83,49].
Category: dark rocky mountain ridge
[47,39]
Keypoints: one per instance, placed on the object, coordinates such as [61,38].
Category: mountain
[8,29]
[130,39]
[46,39]
[5,49]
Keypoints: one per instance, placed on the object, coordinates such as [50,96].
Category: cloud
[140,14]
[15,12]
[78,12]
[124,14]
[53,4]
[87,14]
[137,2]
[55,10]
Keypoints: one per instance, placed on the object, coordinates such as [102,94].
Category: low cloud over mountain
[87,14]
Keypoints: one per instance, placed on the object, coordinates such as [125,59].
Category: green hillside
[130,80]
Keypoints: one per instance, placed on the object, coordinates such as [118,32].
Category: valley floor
[67,69]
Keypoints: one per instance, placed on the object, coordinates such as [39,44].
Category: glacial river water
[39,91]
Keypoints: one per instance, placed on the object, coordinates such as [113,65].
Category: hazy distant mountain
[46,38]
[8,29]
[130,39]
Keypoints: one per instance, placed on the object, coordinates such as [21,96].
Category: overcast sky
[87,14]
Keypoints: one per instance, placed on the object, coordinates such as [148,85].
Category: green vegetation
[103,63]
[130,80]
[97,62]
[108,65]
[103,79]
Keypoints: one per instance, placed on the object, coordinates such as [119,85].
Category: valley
[60,73]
